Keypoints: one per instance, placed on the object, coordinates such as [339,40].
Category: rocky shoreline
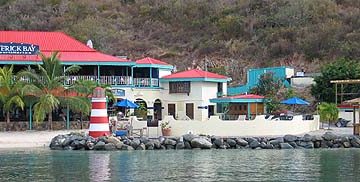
[77,141]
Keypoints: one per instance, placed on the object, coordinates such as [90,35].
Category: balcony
[108,80]
[146,82]
[111,80]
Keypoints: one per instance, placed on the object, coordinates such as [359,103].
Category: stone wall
[77,141]
[57,125]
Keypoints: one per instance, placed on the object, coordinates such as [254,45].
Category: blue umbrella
[295,101]
[126,103]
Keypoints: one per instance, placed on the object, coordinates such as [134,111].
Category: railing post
[132,76]
[98,74]
[151,85]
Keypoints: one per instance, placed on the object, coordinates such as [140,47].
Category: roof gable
[149,60]
[195,73]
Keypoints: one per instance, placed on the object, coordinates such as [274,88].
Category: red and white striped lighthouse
[99,124]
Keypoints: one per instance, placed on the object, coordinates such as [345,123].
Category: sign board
[118,92]
[19,48]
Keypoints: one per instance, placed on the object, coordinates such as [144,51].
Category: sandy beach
[30,139]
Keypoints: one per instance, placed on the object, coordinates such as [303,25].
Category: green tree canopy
[341,69]
[47,87]
[328,112]
[10,91]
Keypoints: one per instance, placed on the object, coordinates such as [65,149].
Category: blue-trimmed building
[284,73]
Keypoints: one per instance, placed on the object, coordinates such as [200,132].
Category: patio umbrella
[295,101]
[126,104]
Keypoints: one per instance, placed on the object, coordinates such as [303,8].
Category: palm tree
[328,112]
[47,85]
[10,91]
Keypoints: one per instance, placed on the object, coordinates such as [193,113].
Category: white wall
[258,127]
[200,94]
[302,81]
[289,72]
[164,72]
[349,115]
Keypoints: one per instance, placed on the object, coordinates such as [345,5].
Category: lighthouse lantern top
[99,92]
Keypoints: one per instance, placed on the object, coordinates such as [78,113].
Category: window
[179,87]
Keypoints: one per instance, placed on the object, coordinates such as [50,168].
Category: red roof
[195,73]
[245,96]
[69,48]
[149,60]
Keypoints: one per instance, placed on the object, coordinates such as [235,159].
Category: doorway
[171,110]
[190,110]
[211,111]
[157,110]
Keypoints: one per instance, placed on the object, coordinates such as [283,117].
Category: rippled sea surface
[185,165]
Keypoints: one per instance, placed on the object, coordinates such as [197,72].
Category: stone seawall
[77,141]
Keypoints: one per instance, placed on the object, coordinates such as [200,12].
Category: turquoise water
[185,165]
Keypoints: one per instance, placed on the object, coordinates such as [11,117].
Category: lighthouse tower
[99,124]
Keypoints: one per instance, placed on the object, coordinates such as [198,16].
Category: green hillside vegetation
[230,34]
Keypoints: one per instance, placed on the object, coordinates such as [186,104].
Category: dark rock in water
[227,145]
[306,138]
[135,143]
[290,138]
[263,139]
[344,139]
[187,145]
[231,142]
[254,144]
[329,136]
[150,148]
[141,147]
[57,142]
[76,145]
[285,146]
[329,143]
[157,144]
[169,142]
[251,139]
[355,142]
[162,147]
[66,142]
[277,141]
[222,147]
[169,147]
[161,139]
[99,146]
[262,145]
[68,147]
[316,138]
[144,140]
[150,144]
[269,146]
[82,143]
[307,145]
[180,146]
[119,145]
[90,145]
[110,146]
[189,137]
[324,145]
[112,140]
[317,144]
[293,144]
[213,146]
[336,145]
[218,142]
[201,142]
[241,142]
[76,137]
[347,144]
[127,147]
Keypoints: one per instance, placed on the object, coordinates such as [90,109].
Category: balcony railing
[111,80]
[146,82]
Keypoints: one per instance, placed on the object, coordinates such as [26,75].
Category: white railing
[72,79]
[146,82]
[115,80]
